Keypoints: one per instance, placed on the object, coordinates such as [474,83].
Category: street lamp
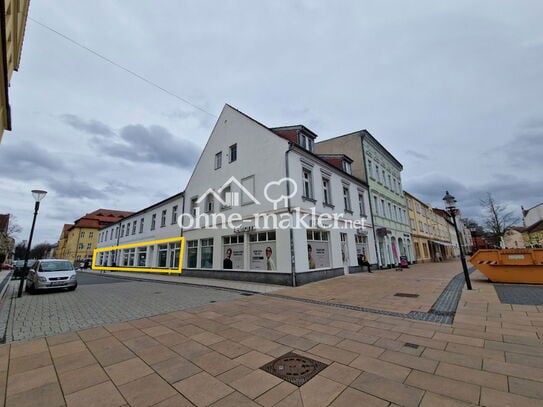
[450,203]
[38,195]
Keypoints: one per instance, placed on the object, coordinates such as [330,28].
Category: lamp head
[38,194]
[449,200]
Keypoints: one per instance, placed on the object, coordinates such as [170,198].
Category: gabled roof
[366,134]
[296,145]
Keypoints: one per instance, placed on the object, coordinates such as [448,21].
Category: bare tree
[8,231]
[497,219]
[40,250]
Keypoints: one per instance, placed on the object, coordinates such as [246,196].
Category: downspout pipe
[371,214]
[289,209]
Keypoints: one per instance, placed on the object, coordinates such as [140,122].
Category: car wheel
[72,288]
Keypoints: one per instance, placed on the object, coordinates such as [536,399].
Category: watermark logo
[277,193]
[225,196]
[291,186]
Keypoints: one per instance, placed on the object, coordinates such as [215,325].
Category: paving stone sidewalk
[492,355]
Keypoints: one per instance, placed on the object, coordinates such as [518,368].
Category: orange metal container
[510,265]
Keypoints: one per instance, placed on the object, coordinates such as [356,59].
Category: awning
[441,243]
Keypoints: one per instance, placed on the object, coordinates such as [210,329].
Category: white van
[51,273]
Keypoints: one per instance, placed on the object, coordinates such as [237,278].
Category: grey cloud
[75,188]
[26,162]
[525,151]
[505,188]
[417,154]
[532,123]
[153,144]
[91,126]
[203,121]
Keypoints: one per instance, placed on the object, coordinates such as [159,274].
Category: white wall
[534,215]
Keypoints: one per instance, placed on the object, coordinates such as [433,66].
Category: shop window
[162,255]
[207,253]
[192,253]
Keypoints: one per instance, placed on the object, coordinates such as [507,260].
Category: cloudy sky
[452,88]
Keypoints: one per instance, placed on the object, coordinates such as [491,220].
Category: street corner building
[268,179]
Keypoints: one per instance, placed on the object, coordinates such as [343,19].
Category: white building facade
[158,221]
[260,206]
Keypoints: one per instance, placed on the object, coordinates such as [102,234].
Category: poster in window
[263,256]
[318,254]
[233,257]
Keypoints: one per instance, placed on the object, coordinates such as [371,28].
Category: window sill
[328,205]
[305,198]
[350,212]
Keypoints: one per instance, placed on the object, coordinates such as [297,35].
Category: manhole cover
[406,295]
[294,368]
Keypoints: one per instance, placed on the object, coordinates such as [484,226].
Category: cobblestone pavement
[491,355]
[98,301]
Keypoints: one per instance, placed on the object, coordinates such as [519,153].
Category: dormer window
[347,167]
[305,141]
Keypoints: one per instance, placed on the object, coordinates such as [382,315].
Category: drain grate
[294,368]
[407,295]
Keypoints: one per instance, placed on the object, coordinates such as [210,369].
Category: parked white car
[51,273]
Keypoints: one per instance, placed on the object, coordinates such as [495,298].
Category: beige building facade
[430,231]
[12,28]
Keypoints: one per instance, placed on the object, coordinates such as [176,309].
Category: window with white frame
[89,245]
[192,253]
[226,196]
[91,234]
[347,167]
[305,141]
[153,221]
[376,205]
[370,168]
[206,260]
[80,246]
[194,206]
[389,210]
[307,179]
[162,255]
[210,202]
[346,198]
[361,205]
[174,214]
[218,160]
[82,234]
[134,226]
[163,218]
[326,191]
[141,225]
[122,230]
[383,209]
[233,152]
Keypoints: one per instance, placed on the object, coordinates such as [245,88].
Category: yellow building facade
[430,231]
[77,241]
[12,28]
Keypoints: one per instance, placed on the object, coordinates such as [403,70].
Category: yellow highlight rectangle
[181,241]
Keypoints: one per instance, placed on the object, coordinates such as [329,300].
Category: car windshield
[56,266]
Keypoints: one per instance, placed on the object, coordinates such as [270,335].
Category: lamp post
[450,203]
[38,195]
